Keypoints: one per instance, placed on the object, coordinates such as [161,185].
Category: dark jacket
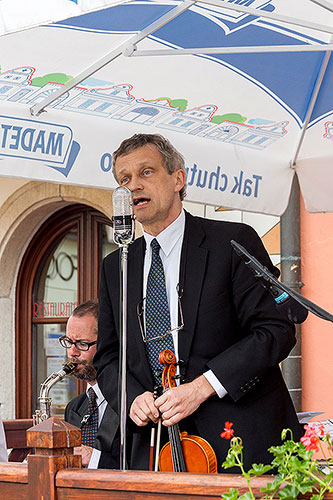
[232,327]
[107,439]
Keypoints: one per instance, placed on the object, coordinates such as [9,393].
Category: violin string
[173,449]
[176,449]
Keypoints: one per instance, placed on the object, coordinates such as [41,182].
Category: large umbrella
[243,88]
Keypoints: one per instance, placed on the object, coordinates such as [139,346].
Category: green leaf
[258,469]
[271,487]
[277,451]
[229,461]
[232,494]
[289,491]
[246,496]
[306,487]
[315,497]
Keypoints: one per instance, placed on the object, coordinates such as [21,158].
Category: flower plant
[298,473]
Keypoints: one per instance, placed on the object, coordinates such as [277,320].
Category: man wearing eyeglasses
[100,451]
[227,334]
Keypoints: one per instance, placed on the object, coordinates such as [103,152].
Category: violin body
[183,453]
[198,454]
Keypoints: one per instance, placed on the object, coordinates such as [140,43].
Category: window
[60,269]
[4,89]
[187,124]
[87,103]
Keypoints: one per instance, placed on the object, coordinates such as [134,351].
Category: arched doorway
[60,268]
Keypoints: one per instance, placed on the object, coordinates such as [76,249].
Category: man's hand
[180,402]
[85,452]
[143,409]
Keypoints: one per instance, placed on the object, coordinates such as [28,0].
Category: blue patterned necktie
[157,313]
[89,429]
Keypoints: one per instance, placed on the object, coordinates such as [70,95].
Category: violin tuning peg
[158,391]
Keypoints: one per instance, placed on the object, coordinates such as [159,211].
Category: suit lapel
[107,429]
[192,271]
[79,411]
[135,288]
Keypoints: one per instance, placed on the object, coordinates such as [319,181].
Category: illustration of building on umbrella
[117,102]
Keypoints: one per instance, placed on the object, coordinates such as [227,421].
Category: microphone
[123,217]
[284,302]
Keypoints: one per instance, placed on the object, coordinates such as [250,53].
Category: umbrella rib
[324,4]
[234,50]
[312,103]
[269,15]
[124,48]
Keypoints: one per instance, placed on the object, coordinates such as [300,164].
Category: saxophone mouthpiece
[69,367]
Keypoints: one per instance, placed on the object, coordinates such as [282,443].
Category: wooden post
[53,440]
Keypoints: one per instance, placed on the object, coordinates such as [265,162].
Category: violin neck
[177,454]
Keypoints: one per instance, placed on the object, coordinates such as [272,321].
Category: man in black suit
[80,341]
[233,337]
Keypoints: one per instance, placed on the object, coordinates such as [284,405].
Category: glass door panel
[50,356]
[56,290]
[107,244]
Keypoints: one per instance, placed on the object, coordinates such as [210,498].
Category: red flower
[228,431]
[312,436]
[310,442]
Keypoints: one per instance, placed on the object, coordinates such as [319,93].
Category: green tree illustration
[40,81]
[181,104]
[231,117]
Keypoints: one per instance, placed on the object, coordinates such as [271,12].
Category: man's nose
[73,351]
[135,184]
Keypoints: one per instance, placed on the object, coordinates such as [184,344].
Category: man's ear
[180,179]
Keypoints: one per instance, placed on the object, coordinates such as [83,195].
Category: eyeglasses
[81,345]
[140,310]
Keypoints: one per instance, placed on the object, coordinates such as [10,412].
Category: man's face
[155,192]
[84,329]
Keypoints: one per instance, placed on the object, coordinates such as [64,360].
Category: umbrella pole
[291,276]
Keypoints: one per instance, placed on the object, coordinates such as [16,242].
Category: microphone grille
[122,202]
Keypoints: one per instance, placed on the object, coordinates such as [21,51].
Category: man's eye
[147,172]
[124,180]
[83,345]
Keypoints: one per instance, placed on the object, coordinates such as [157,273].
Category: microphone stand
[262,272]
[123,235]
[122,351]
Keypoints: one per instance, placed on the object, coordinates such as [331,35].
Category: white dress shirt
[101,404]
[170,241]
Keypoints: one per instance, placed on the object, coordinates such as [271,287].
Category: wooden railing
[53,472]
[16,437]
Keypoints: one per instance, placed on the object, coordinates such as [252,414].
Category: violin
[183,453]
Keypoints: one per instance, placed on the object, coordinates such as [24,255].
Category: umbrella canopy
[243,88]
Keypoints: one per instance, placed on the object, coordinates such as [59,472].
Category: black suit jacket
[107,439]
[232,327]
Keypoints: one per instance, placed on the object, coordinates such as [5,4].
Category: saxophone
[44,400]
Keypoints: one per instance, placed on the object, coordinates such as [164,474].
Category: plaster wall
[317,334]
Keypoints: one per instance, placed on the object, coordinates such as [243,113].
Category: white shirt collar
[96,389]
[169,236]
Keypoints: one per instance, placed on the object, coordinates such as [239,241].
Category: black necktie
[89,429]
[157,313]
